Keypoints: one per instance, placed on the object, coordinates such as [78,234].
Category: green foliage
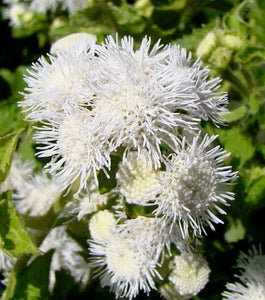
[237,143]
[30,283]
[14,239]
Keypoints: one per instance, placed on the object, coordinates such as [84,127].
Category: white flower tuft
[251,284]
[194,184]
[66,256]
[37,195]
[124,262]
[95,99]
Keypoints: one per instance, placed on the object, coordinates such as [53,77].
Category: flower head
[20,172]
[251,284]
[37,195]
[188,276]
[42,6]
[137,181]
[57,84]
[123,262]
[193,185]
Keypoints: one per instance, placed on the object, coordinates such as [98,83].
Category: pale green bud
[207,45]
[232,41]
[221,57]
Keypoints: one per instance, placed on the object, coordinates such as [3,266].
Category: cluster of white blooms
[251,284]
[144,107]
[33,194]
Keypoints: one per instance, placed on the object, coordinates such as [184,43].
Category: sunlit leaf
[14,239]
[7,147]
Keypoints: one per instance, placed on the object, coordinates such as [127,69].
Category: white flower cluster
[96,102]
[19,12]
[251,279]
[33,194]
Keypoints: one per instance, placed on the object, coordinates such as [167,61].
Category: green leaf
[18,83]
[238,144]
[31,282]
[251,55]
[11,117]
[14,239]
[7,147]
[256,191]
[236,114]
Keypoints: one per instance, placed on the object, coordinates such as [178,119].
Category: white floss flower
[77,41]
[137,181]
[201,98]
[73,5]
[42,6]
[15,12]
[194,184]
[189,274]
[146,231]
[57,84]
[101,225]
[251,284]
[124,263]
[20,172]
[133,97]
[37,195]
[78,148]
[66,256]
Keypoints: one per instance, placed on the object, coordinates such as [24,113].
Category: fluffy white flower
[251,284]
[78,148]
[115,97]
[15,12]
[57,84]
[194,184]
[137,181]
[146,231]
[101,225]
[124,263]
[66,256]
[202,99]
[42,6]
[20,172]
[37,195]
[132,97]
[75,41]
